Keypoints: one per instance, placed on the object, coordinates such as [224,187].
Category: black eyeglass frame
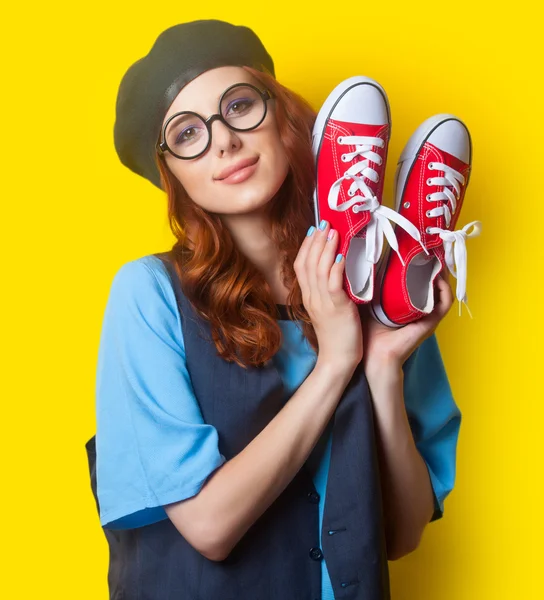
[162,146]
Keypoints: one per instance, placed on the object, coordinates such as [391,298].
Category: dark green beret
[151,84]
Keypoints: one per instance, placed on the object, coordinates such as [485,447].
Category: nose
[224,139]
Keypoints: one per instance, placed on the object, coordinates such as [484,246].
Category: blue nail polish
[311,230]
[322,225]
[338,258]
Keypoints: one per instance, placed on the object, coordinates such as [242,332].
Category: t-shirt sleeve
[434,417]
[152,445]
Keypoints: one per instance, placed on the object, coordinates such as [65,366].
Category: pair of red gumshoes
[350,143]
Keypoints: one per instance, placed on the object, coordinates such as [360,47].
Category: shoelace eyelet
[339,139]
[343,158]
[406,205]
[431,166]
[428,213]
[427,231]
[429,181]
[350,193]
[429,198]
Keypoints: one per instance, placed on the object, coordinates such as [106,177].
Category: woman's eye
[186,135]
[239,106]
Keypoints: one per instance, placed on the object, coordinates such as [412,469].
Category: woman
[236,390]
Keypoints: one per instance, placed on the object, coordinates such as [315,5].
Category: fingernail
[323,224]
[331,234]
[311,230]
[338,257]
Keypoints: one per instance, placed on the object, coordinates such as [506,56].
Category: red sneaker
[430,183]
[350,141]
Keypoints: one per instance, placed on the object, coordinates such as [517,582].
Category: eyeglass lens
[242,107]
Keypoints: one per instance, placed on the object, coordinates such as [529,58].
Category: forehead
[202,94]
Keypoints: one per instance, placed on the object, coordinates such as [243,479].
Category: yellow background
[72,215]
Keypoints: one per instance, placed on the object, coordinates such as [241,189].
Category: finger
[443,297]
[336,279]
[312,260]
[326,262]
[443,302]
[413,334]
[300,264]
[445,274]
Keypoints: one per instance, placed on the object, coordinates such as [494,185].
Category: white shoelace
[455,249]
[379,225]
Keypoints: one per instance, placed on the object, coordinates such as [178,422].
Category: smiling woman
[231,393]
[240,135]
[260,178]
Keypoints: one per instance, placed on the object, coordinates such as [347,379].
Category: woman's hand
[387,347]
[334,315]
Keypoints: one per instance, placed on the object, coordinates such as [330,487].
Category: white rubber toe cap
[363,102]
[452,137]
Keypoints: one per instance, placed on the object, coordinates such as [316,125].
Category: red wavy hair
[223,286]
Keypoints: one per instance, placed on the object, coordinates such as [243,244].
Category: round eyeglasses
[186,134]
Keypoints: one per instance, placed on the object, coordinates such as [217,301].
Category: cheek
[280,160]
[276,170]
[274,145]
[269,143]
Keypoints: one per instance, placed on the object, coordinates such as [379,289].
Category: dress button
[316,554]
[313,497]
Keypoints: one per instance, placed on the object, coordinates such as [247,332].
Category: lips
[236,167]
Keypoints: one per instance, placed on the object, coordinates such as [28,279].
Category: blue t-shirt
[153,446]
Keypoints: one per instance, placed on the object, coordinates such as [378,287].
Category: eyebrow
[187,110]
[216,99]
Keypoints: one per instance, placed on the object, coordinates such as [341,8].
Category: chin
[256,193]
[252,201]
